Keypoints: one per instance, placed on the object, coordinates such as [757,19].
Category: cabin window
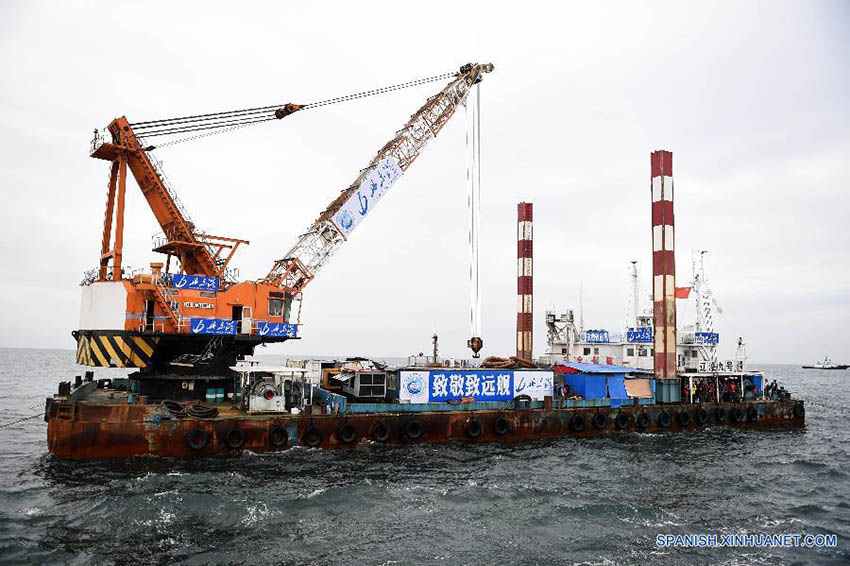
[275,307]
[693,353]
[563,350]
[596,351]
[587,351]
[642,352]
[630,352]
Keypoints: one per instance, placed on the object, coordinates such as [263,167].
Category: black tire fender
[473,428]
[380,432]
[501,427]
[413,430]
[642,420]
[235,438]
[664,419]
[622,421]
[197,439]
[752,414]
[278,436]
[347,433]
[684,418]
[312,437]
[577,423]
[799,410]
[701,416]
[599,421]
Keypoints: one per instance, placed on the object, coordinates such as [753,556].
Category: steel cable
[219,122]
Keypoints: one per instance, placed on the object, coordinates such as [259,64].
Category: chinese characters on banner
[642,334]
[367,195]
[711,338]
[721,366]
[596,336]
[437,386]
[212,326]
[198,282]
[276,329]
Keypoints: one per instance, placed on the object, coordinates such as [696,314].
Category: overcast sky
[751,97]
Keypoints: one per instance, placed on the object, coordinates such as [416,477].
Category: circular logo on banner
[414,386]
[345,220]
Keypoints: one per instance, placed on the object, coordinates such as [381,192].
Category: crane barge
[184,324]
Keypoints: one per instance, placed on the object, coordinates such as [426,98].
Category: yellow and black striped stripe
[114,349]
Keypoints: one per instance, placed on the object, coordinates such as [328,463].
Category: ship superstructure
[696,348]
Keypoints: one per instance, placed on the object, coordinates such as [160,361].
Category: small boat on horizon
[827,364]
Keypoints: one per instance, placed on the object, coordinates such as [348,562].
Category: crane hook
[475,344]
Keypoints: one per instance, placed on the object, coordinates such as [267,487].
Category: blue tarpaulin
[588,386]
[617,390]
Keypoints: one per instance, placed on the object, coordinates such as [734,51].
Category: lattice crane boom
[331,229]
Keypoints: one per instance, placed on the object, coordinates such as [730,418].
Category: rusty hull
[83,431]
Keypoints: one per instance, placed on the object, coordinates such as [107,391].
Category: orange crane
[200,314]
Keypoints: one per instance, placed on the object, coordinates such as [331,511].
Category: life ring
[719,414]
[413,430]
[197,439]
[599,421]
[501,427]
[473,428]
[380,432]
[684,418]
[577,423]
[799,410]
[737,415]
[664,419]
[622,420]
[752,414]
[347,433]
[313,437]
[234,438]
[701,416]
[642,420]
[579,359]
[278,436]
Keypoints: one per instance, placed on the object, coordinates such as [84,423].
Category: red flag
[683,292]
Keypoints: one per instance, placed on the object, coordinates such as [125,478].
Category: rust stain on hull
[116,431]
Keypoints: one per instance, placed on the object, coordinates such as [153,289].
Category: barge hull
[81,431]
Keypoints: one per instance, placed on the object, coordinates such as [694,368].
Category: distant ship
[827,364]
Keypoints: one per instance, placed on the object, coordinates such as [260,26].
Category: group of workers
[730,390]
[775,391]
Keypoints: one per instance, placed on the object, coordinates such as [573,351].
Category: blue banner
[710,338]
[212,326]
[197,282]
[596,336]
[641,334]
[276,329]
[480,385]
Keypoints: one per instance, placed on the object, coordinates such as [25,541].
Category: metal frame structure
[313,249]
